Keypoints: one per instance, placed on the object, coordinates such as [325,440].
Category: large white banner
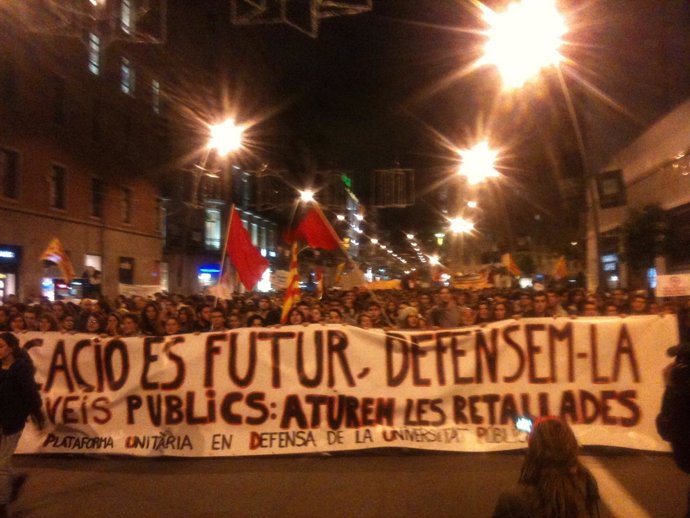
[299,389]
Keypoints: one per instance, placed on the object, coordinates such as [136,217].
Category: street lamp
[306,196]
[461,225]
[478,163]
[523,39]
[226,137]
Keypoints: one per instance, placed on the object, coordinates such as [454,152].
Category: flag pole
[224,251]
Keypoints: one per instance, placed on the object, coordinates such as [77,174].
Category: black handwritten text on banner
[319,388]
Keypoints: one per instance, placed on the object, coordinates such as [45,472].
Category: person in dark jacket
[553,483]
[19,399]
[673,422]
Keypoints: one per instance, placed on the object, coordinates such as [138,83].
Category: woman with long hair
[19,398]
[150,322]
[553,482]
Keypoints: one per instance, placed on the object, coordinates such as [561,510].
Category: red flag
[316,231]
[245,257]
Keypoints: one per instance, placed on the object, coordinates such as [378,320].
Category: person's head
[445,296]
[9,348]
[58,309]
[47,322]
[335,316]
[205,313]
[95,323]
[364,321]
[551,446]
[31,319]
[412,320]
[589,309]
[374,311]
[113,323]
[255,321]
[552,298]
[150,312]
[316,314]
[264,303]
[638,304]
[17,324]
[304,309]
[539,302]
[424,299]
[4,316]
[295,317]
[618,296]
[234,321]
[500,311]
[172,326]
[130,324]
[217,318]
[68,323]
[483,311]
[186,315]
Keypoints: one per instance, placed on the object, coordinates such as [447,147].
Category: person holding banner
[553,482]
[19,398]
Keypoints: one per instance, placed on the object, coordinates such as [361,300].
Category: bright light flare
[472,204]
[478,163]
[410,236]
[306,196]
[523,39]
[340,217]
[374,241]
[461,225]
[434,260]
[226,137]
[359,217]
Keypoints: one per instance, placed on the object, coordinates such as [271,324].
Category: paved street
[372,485]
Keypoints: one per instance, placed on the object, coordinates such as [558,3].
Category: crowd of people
[444,307]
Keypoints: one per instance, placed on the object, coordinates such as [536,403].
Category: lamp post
[522,41]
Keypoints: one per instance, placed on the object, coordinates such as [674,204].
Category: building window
[126,77]
[127,16]
[94,54]
[96,197]
[156,96]
[126,270]
[255,234]
[59,100]
[58,180]
[9,173]
[213,230]
[126,205]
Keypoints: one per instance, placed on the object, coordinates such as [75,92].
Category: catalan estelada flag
[55,253]
[292,294]
[510,265]
[560,269]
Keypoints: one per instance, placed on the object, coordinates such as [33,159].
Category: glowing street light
[461,225]
[523,39]
[226,137]
[340,217]
[359,217]
[410,236]
[478,163]
[434,260]
[374,241]
[306,196]
[472,204]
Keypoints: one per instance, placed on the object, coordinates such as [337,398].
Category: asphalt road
[378,484]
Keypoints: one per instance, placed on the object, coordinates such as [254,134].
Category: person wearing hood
[19,399]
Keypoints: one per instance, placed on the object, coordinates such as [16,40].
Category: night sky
[383,88]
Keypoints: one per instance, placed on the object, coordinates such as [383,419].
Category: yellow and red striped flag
[55,253]
[292,294]
[560,269]
[510,265]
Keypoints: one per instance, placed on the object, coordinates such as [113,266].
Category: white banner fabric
[673,285]
[300,389]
